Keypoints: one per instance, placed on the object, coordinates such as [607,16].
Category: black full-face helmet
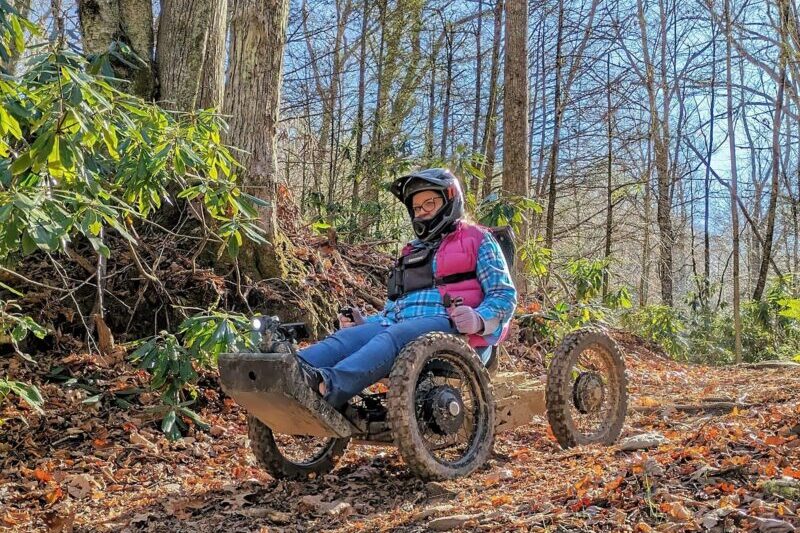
[432,179]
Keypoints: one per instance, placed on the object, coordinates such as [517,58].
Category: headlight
[257,324]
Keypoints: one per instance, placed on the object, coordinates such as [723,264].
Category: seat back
[504,235]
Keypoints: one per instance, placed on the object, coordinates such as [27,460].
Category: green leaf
[95,227]
[202,424]
[169,426]
[29,394]
[28,244]
[93,399]
[22,163]
[110,140]
[100,247]
[142,350]
[9,125]
[19,332]
[19,35]
[233,247]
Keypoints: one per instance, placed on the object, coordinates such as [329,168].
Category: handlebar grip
[347,311]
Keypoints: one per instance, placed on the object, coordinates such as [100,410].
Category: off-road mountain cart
[441,406]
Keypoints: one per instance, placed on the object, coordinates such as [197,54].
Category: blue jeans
[356,357]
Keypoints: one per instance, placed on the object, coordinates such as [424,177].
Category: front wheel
[587,397]
[293,456]
[441,407]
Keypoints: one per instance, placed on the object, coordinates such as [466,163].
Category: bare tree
[734,187]
[766,252]
[489,143]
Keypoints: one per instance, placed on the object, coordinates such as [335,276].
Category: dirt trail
[739,470]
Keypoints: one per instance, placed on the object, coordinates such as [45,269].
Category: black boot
[311,375]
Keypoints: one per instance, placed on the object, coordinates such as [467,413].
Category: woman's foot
[312,377]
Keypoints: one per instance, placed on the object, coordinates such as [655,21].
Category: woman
[449,259]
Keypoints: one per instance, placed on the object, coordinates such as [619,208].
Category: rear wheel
[441,407]
[587,397]
[293,456]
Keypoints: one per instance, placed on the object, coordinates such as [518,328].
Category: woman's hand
[345,322]
[466,319]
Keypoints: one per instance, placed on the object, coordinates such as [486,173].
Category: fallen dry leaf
[81,485]
[790,471]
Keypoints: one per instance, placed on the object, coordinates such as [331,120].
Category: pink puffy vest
[457,254]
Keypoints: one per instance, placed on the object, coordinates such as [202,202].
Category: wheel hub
[444,409]
[589,392]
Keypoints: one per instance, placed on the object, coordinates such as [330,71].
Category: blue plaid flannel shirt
[499,293]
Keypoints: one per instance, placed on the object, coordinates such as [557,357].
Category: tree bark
[431,105]
[766,251]
[609,190]
[9,66]
[737,319]
[476,117]
[489,143]
[540,167]
[374,154]
[552,160]
[515,107]
[399,76]
[103,22]
[212,81]
[183,40]
[252,99]
[515,113]
[660,141]
[448,85]
[362,84]
[644,281]
[705,292]
[561,100]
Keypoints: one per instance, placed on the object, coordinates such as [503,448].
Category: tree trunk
[540,185]
[448,85]
[515,112]
[561,100]
[362,84]
[737,319]
[9,66]
[183,40]
[212,81]
[490,126]
[431,106]
[476,117]
[515,107]
[644,281]
[609,203]
[130,21]
[661,153]
[552,161]
[537,76]
[766,251]
[796,218]
[705,294]
[252,99]
[374,154]
[752,259]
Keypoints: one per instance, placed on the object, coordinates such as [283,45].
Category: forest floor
[733,466]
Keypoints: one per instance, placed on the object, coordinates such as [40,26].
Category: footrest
[270,387]
[518,398]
